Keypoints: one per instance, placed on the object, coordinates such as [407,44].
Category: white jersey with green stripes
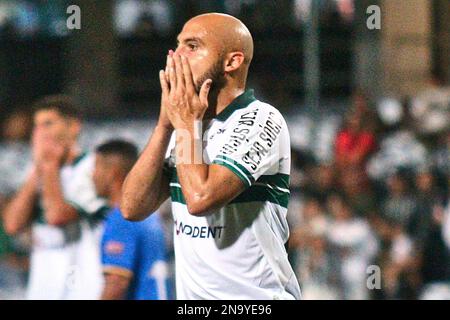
[65,261]
[238,251]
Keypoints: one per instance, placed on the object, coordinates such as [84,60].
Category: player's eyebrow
[193,39]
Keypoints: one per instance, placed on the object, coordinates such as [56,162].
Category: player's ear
[234,61]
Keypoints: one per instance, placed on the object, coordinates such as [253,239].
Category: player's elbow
[135,209]
[61,214]
[12,228]
[132,214]
[197,210]
[199,205]
[57,221]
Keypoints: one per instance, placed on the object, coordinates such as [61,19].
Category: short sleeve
[119,245]
[252,146]
[169,159]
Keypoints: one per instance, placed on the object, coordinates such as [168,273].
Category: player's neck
[73,153]
[224,98]
[115,195]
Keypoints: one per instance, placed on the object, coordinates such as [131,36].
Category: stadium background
[368,112]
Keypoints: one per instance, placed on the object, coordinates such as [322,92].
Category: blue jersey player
[133,253]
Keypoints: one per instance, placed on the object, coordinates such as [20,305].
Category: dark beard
[215,73]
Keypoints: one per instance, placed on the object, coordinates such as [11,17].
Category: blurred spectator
[441,157]
[354,143]
[313,263]
[323,182]
[399,147]
[431,108]
[428,196]
[358,192]
[400,204]
[14,160]
[435,270]
[16,127]
[14,148]
[446,226]
[353,246]
[399,269]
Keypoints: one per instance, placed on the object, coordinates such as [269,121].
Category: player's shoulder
[259,111]
[84,161]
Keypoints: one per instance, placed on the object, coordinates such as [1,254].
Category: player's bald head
[230,33]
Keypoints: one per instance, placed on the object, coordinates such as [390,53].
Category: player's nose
[181,51]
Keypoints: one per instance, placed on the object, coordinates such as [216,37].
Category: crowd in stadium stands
[379,201]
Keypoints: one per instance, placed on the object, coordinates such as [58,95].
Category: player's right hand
[164,81]
[37,144]
[46,150]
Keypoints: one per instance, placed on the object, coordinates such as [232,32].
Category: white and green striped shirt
[237,251]
[65,260]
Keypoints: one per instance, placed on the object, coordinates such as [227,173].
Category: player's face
[54,126]
[204,53]
[101,176]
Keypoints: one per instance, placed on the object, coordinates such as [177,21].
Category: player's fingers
[170,53]
[164,84]
[37,136]
[179,73]
[204,92]
[172,75]
[189,83]
[166,71]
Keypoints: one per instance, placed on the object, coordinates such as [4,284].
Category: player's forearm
[18,212]
[192,172]
[57,210]
[144,189]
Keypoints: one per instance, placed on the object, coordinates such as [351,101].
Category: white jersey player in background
[59,202]
[226,171]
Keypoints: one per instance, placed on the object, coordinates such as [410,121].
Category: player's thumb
[204,92]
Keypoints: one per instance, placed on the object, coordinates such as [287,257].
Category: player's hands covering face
[183,104]
[46,150]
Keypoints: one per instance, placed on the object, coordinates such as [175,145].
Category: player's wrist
[49,166]
[192,125]
[164,127]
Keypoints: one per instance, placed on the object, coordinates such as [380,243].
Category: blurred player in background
[229,187]
[133,253]
[59,202]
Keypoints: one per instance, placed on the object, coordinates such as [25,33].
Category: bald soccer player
[226,169]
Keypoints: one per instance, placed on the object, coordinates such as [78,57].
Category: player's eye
[192,46]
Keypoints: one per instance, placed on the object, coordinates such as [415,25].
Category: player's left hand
[53,154]
[185,106]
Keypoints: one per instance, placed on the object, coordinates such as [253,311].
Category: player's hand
[54,153]
[164,81]
[47,152]
[37,145]
[185,106]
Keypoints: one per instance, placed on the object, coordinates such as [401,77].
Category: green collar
[78,159]
[239,102]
